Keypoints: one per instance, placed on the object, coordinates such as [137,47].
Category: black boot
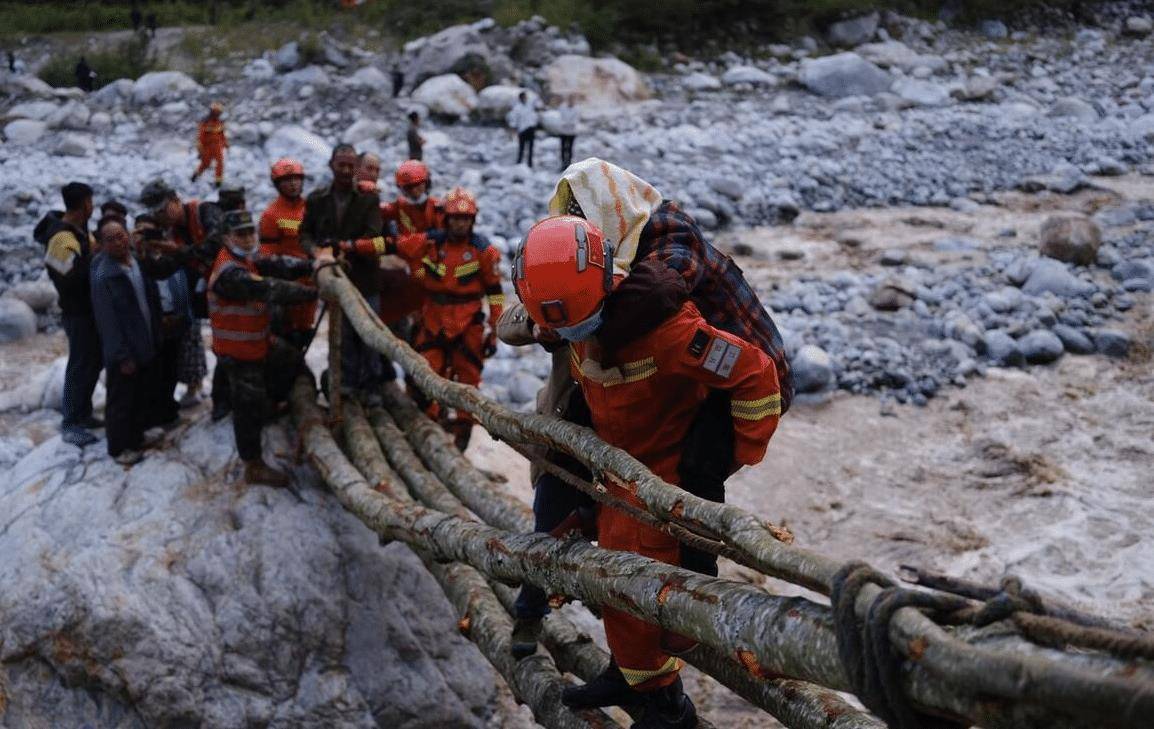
[668,708]
[524,643]
[608,689]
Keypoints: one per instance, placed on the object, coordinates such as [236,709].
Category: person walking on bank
[414,138]
[398,79]
[568,121]
[260,367]
[211,142]
[68,252]
[522,118]
[340,213]
[127,306]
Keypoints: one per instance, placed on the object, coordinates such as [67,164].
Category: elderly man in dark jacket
[340,212]
[126,303]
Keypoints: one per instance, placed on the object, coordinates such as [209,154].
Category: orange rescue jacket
[240,329]
[457,276]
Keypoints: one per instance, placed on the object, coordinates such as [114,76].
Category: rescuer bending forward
[643,396]
[261,368]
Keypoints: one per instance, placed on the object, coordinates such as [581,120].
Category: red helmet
[412,172]
[286,167]
[563,271]
[460,201]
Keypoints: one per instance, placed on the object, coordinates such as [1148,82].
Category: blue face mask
[581,330]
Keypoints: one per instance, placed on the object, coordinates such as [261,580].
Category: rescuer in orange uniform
[280,235]
[413,211]
[260,366]
[643,396]
[211,143]
[459,270]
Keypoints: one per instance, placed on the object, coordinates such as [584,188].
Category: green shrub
[131,59]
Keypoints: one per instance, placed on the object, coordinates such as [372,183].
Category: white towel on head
[614,199]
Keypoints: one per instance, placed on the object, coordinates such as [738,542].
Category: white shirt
[522,116]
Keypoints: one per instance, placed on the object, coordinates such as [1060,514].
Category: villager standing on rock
[211,142]
[461,272]
[415,141]
[127,307]
[398,82]
[339,212]
[68,252]
[522,118]
[645,388]
[649,235]
[85,76]
[568,121]
[260,366]
[280,235]
[197,227]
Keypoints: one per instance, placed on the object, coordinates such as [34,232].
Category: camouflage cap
[238,220]
[155,193]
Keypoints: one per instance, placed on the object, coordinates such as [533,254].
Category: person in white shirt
[522,118]
[568,121]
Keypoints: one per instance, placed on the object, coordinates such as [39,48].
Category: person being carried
[211,143]
[260,366]
[461,272]
[644,392]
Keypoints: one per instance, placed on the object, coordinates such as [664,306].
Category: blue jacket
[124,334]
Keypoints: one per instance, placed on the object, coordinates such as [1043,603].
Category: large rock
[168,595]
[1074,340]
[921,93]
[1112,342]
[40,295]
[313,76]
[299,143]
[748,75]
[843,74]
[72,115]
[440,53]
[494,102]
[38,110]
[595,81]
[74,145]
[812,369]
[701,82]
[977,88]
[288,57]
[162,86]
[1071,107]
[854,31]
[259,69]
[370,77]
[1138,25]
[365,130]
[17,321]
[113,94]
[895,54]
[1069,238]
[1003,350]
[447,95]
[1041,346]
[24,131]
[1050,276]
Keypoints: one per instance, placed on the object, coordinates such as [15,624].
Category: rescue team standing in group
[658,343]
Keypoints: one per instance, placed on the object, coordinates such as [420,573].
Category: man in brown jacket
[341,212]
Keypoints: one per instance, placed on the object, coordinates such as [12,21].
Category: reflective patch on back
[721,358]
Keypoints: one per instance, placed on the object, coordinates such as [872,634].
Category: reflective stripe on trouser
[636,644]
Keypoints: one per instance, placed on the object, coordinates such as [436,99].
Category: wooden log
[1073,688]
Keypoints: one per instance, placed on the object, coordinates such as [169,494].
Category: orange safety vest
[240,329]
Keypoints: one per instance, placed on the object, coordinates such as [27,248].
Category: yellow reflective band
[497,299]
[379,245]
[288,224]
[467,268]
[639,370]
[436,268]
[634,676]
[756,409]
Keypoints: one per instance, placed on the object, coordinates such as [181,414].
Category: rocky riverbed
[952,227]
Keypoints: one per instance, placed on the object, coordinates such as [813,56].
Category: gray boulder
[40,295]
[159,86]
[1041,346]
[977,88]
[701,82]
[921,93]
[993,29]
[74,145]
[17,320]
[24,131]
[812,369]
[748,75]
[438,54]
[1071,107]
[1069,238]
[167,595]
[1050,276]
[288,57]
[1112,342]
[854,31]
[1138,25]
[1125,270]
[1074,340]
[843,74]
[365,130]
[1003,350]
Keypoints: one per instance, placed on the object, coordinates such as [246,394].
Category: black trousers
[165,407]
[566,150]
[129,410]
[525,144]
[83,370]
[706,461]
[553,502]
